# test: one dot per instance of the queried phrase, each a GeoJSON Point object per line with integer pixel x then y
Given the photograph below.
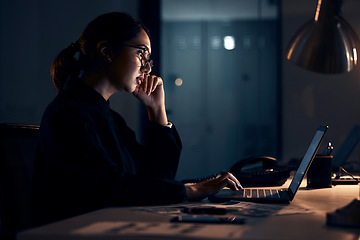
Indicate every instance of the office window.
{"type": "Point", "coordinates": [220, 64]}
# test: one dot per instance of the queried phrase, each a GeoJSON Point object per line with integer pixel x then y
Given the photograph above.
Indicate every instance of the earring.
{"type": "Point", "coordinates": [109, 60]}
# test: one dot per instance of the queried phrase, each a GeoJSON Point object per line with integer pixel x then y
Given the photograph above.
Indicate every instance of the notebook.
{"type": "Point", "coordinates": [273, 195]}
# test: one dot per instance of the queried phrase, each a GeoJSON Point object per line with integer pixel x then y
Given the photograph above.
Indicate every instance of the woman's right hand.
{"type": "Point", "coordinates": [151, 94]}
{"type": "Point", "coordinates": [205, 188]}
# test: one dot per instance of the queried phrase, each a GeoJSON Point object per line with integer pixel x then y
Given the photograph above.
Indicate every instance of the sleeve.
{"type": "Point", "coordinates": [165, 146]}
{"type": "Point", "coordinates": [160, 156]}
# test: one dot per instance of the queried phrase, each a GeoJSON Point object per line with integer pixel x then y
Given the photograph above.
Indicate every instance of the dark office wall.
{"type": "Point", "coordinates": [32, 34]}
{"type": "Point", "coordinates": [309, 98]}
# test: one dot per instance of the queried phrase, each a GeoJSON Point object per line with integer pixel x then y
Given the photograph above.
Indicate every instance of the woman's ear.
{"type": "Point", "coordinates": [105, 51]}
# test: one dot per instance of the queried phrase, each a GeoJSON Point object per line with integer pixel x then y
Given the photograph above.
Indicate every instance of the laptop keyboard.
{"type": "Point", "coordinates": [259, 193]}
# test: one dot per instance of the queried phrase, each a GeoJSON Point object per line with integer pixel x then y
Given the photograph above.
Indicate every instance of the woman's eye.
{"type": "Point", "coordinates": [141, 53]}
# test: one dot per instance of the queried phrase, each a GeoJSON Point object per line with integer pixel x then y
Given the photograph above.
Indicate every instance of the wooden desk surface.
{"type": "Point", "coordinates": [311, 225]}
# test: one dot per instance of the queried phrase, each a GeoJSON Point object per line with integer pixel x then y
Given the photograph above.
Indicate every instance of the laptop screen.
{"type": "Point", "coordinates": [308, 157]}
{"type": "Point", "coordinates": [346, 148]}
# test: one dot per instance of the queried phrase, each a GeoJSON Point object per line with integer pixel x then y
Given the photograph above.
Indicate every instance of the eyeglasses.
{"type": "Point", "coordinates": [145, 58]}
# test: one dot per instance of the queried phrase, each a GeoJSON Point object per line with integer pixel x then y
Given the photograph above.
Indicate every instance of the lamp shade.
{"type": "Point", "coordinates": [326, 44]}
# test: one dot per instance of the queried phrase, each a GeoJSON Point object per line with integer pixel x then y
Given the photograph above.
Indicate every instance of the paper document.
{"type": "Point", "coordinates": [234, 208]}
{"type": "Point", "coordinates": [156, 230]}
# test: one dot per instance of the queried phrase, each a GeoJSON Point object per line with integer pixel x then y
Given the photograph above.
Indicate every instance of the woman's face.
{"type": "Point", "coordinates": [126, 71]}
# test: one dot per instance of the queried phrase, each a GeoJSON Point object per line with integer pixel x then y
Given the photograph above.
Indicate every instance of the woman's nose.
{"type": "Point", "coordinates": [147, 67]}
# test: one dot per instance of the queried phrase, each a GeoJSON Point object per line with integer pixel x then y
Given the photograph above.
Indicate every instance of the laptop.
{"type": "Point", "coordinates": [346, 148]}
{"type": "Point", "coordinates": [342, 155]}
{"type": "Point", "coordinates": [276, 195]}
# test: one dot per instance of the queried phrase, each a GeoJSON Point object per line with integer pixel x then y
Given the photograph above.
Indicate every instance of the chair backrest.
{"type": "Point", "coordinates": [17, 153]}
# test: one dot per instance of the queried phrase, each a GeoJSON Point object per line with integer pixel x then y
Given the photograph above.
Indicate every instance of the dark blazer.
{"type": "Point", "coordinates": [88, 159]}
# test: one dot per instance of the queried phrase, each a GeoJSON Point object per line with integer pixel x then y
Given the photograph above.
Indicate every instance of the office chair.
{"type": "Point", "coordinates": [17, 153]}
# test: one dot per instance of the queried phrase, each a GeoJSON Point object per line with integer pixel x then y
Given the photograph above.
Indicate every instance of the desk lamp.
{"type": "Point", "coordinates": [327, 43]}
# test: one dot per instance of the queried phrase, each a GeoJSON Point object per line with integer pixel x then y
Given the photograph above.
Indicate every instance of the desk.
{"type": "Point", "coordinates": [310, 225]}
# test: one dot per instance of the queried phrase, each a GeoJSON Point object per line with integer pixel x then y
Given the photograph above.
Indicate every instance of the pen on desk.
{"type": "Point", "coordinates": [328, 150]}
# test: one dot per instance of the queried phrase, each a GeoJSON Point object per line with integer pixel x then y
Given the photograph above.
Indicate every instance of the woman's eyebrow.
{"type": "Point", "coordinates": [146, 47]}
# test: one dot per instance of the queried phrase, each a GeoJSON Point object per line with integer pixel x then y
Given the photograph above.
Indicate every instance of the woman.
{"type": "Point", "coordinates": [87, 156]}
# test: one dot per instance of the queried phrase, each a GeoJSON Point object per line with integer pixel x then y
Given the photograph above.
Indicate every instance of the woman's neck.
{"type": "Point", "coordinates": [100, 83]}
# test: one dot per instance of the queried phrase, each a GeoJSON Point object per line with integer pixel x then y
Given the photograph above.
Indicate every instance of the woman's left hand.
{"type": "Point", "coordinates": [151, 94]}
{"type": "Point", "coordinates": [201, 190]}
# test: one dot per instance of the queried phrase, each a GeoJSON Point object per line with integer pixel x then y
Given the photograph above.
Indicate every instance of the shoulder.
{"type": "Point", "coordinates": [118, 118]}
{"type": "Point", "coordinates": [63, 109]}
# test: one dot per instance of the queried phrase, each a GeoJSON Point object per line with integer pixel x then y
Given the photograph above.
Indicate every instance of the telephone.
{"type": "Point", "coordinates": [250, 174]}
{"type": "Point", "coordinates": [269, 173]}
